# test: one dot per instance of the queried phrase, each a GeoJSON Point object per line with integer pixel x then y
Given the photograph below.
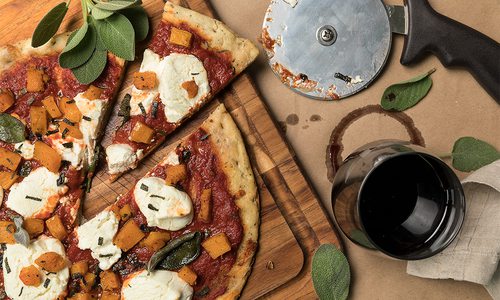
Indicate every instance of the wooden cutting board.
{"type": "Point", "coordinates": [293, 224]}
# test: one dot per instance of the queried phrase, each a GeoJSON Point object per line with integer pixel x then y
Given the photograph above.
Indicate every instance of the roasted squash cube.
{"type": "Point", "coordinates": [7, 179]}
{"type": "Point", "coordinates": [56, 227]}
{"type": "Point", "coordinates": [30, 276]}
{"type": "Point", "coordinates": [9, 159]}
{"type": "Point", "coordinates": [93, 92]}
{"type": "Point", "coordinates": [205, 214]}
{"type": "Point", "coordinates": [156, 240]}
{"type": "Point", "coordinates": [70, 109]}
{"type": "Point", "coordinates": [191, 88]}
{"type": "Point", "coordinates": [180, 37]}
{"type": "Point", "coordinates": [6, 99]}
{"type": "Point", "coordinates": [110, 281]}
{"type": "Point", "coordinates": [81, 296]}
{"type": "Point", "coordinates": [69, 130]}
{"type": "Point", "coordinates": [39, 120]}
{"type": "Point", "coordinates": [142, 133]}
{"type": "Point", "coordinates": [51, 262]}
{"type": "Point", "coordinates": [125, 212]}
{"type": "Point", "coordinates": [128, 236]}
{"type": "Point", "coordinates": [175, 173]}
{"type": "Point", "coordinates": [7, 229]}
{"type": "Point", "coordinates": [51, 106]}
{"type": "Point", "coordinates": [145, 80]}
{"type": "Point", "coordinates": [217, 245]}
{"type": "Point", "coordinates": [108, 295]}
{"type": "Point", "coordinates": [80, 267]}
{"type": "Point", "coordinates": [34, 226]}
{"type": "Point", "coordinates": [88, 282]}
{"type": "Point", "coordinates": [188, 275]}
{"type": "Point", "coordinates": [35, 80]}
{"type": "Point", "coordinates": [47, 156]}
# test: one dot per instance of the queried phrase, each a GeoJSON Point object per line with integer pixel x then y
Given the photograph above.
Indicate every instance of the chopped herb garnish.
{"type": "Point", "coordinates": [30, 100]}
{"type": "Point", "coordinates": [61, 179]}
{"type": "Point", "coordinates": [150, 206]}
{"type": "Point", "coordinates": [7, 267]}
{"type": "Point", "coordinates": [203, 292]}
{"type": "Point", "coordinates": [52, 132]}
{"type": "Point", "coordinates": [34, 198]}
{"type": "Point", "coordinates": [68, 145]}
{"type": "Point", "coordinates": [144, 187]}
{"type": "Point", "coordinates": [60, 94]}
{"type": "Point", "coordinates": [25, 169]}
{"type": "Point", "coordinates": [143, 110]}
{"type": "Point", "coordinates": [68, 122]}
{"type": "Point", "coordinates": [193, 74]}
{"type": "Point", "coordinates": [87, 118]}
{"type": "Point", "coordinates": [154, 110]}
{"type": "Point", "coordinates": [65, 131]}
{"type": "Point", "coordinates": [186, 154]}
{"type": "Point", "coordinates": [46, 283]}
{"type": "Point", "coordinates": [21, 292]}
{"type": "Point", "coordinates": [100, 241]}
{"type": "Point", "coordinates": [70, 101]}
{"type": "Point", "coordinates": [125, 107]}
{"type": "Point", "coordinates": [48, 273]}
{"type": "Point", "coordinates": [105, 255]}
{"type": "Point", "coordinates": [3, 246]}
{"type": "Point", "coordinates": [39, 136]}
{"type": "Point", "coordinates": [157, 196]}
{"type": "Point", "coordinates": [205, 136]}
{"type": "Point", "coordinates": [144, 228]}
{"type": "Point", "coordinates": [22, 91]}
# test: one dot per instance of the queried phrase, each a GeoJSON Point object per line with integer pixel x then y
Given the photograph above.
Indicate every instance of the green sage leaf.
{"type": "Point", "coordinates": [76, 37]}
{"type": "Point", "coordinates": [330, 273]}
{"type": "Point", "coordinates": [100, 14]}
{"type": "Point", "coordinates": [21, 235]}
{"type": "Point", "coordinates": [82, 52]}
{"type": "Point", "coordinates": [117, 34]}
{"type": "Point", "coordinates": [139, 19]}
{"type": "Point", "coordinates": [91, 70]}
{"type": "Point", "coordinates": [11, 129]}
{"type": "Point", "coordinates": [161, 254]}
{"type": "Point", "coordinates": [470, 154]}
{"type": "Point", "coordinates": [49, 25]}
{"type": "Point", "coordinates": [182, 255]}
{"type": "Point", "coordinates": [406, 94]}
{"type": "Point", "coordinates": [114, 5]}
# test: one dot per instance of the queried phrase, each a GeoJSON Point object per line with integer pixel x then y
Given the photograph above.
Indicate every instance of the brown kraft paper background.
{"type": "Point", "coordinates": [456, 106]}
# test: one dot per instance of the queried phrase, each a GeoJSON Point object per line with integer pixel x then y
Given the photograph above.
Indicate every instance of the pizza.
{"type": "Point", "coordinates": [49, 129]}
{"type": "Point", "coordinates": [187, 229]}
{"type": "Point", "coordinates": [189, 59]}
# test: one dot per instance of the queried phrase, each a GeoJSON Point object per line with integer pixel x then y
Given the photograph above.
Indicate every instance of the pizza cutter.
{"type": "Point", "coordinates": [331, 49]}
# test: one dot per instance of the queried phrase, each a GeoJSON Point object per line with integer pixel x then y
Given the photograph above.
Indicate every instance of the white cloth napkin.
{"type": "Point", "coordinates": [475, 253]}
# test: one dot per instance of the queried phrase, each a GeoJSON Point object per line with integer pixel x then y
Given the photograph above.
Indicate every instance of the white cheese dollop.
{"type": "Point", "coordinates": [158, 285]}
{"type": "Point", "coordinates": [37, 195]}
{"type": "Point", "coordinates": [120, 158]}
{"type": "Point", "coordinates": [17, 257]}
{"type": "Point", "coordinates": [163, 206]}
{"type": "Point", "coordinates": [172, 159]}
{"type": "Point", "coordinates": [104, 225]}
{"type": "Point", "coordinates": [73, 154]}
{"type": "Point", "coordinates": [171, 72]}
{"type": "Point", "coordinates": [27, 149]}
{"type": "Point", "coordinates": [92, 109]}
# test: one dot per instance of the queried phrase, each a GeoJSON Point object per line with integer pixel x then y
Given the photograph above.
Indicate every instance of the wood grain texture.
{"type": "Point", "coordinates": [293, 223]}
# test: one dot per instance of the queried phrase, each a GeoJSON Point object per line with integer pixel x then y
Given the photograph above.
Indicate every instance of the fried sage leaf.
{"type": "Point", "coordinates": [11, 129]}
{"type": "Point", "coordinates": [470, 154]}
{"type": "Point", "coordinates": [406, 94]}
{"type": "Point", "coordinates": [177, 253]}
{"type": "Point", "coordinates": [21, 235]}
{"type": "Point", "coordinates": [330, 273]}
{"type": "Point", "coordinates": [49, 25]}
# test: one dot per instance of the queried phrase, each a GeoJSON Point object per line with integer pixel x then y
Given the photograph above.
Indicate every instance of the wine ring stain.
{"type": "Point", "coordinates": [335, 146]}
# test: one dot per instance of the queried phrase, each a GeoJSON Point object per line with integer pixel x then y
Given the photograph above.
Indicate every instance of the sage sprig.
{"type": "Point", "coordinates": [112, 25]}
{"type": "Point", "coordinates": [330, 273]}
{"type": "Point", "coordinates": [470, 154]}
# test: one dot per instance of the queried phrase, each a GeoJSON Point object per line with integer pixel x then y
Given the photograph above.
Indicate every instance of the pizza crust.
{"type": "Point", "coordinates": [233, 158]}
{"type": "Point", "coordinates": [218, 35]}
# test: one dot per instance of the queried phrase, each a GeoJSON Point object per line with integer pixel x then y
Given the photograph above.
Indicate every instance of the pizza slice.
{"type": "Point", "coordinates": [187, 229]}
{"type": "Point", "coordinates": [49, 127]}
{"type": "Point", "coordinates": [190, 58]}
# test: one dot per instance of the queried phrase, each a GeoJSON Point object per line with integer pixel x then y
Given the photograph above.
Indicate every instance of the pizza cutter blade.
{"type": "Point", "coordinates": [331, 49]}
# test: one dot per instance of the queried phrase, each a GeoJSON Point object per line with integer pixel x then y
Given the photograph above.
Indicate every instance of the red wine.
{"type": "Point", "coordinates": [404, 202]}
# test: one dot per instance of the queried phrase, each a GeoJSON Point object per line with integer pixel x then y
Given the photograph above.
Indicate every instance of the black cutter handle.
{"type": "Point", "coordinates": [453, 43]}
